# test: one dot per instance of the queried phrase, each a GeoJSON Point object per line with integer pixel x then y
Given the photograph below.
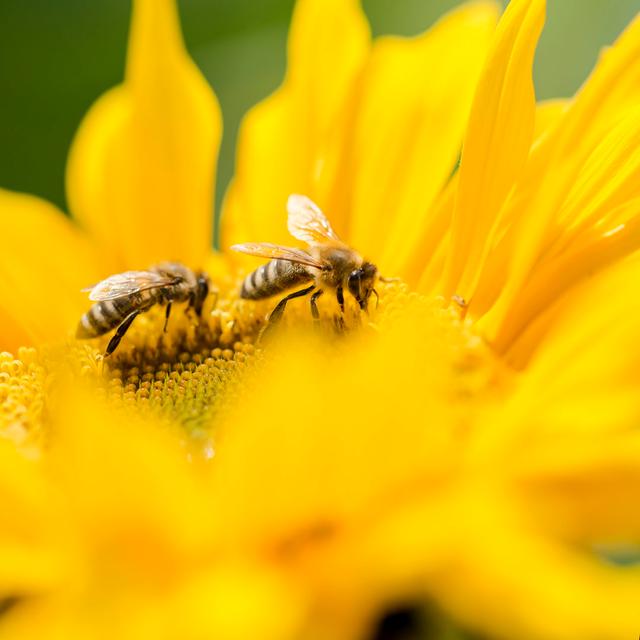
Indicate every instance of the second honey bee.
{"type": "Point", "coordinates": [328, 262]}
{"type": "Point", "coordinates": [122, 297]}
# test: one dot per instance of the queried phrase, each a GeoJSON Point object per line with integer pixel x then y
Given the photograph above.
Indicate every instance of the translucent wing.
{"type": "Point", "coordinates": [124, 284]}
{"type": "Point", "coordinates": [307, 223]}
{"type": "Point", "coordinates": [276, 252]}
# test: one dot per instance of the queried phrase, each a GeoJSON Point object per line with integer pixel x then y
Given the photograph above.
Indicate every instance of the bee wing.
{"type": "Point", "coordinates": [124, 284]}
{"type": "Point", "coordinates": [307, 223]}
{"type": "Point", "coordinates": [276, 252]}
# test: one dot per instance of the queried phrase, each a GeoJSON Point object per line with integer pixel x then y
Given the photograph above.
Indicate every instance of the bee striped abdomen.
{"type": "Point", "coordinates": [273, 277]}
{"type": "Point", "coordinates": [108, 314]}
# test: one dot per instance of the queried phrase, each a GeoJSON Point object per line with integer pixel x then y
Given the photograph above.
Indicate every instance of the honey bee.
{"type": "Point", "coordinates": [328, 262]}
{"type": "Point", "coordinates": [121, 297]}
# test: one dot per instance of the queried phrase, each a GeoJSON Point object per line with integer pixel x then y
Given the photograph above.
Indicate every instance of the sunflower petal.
{"type": "Point", "coordinates": [594, 226]}
{"type": "Point", "coordinates": [497, 142]}
{"type": "Point", "coordinates": [153, 507]}
{"type": "Point", "coordinates": [598, 107]}
{"type": "Point", "coordinates": [597, 225]}
{"type": "Point", "coordinates": [415, 98]}
{"type": "Point", "coordinates": [142, 167]}
{"type": "Point", "coordinates": [587, 354]}
{"type": "Point", "coordinates": [28, 559]}
{"type": "Point", "coordinates": [583, 489]}
{"type": "Point", "coordinates": [44, 263]}
{"type": "Point", "coordinates": [283, 140]}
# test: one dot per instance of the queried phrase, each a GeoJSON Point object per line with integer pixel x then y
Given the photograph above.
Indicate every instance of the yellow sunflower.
{"type": "Point", "coordinates": [463, 461]}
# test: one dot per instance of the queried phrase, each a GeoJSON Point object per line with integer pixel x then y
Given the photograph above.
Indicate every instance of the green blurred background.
{"type": "Point", "coordinates": [57, 56]}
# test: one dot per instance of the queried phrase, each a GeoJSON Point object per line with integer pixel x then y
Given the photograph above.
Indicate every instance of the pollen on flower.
{"type": "Point", "coordinates": [196, 369]}
{"type": "Point", "coordinates": [185, 374]}
{"type": "Point", "coordinates": [22, 387]}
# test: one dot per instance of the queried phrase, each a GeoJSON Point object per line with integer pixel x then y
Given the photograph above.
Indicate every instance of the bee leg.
{"type": "Point", "coordinates": [119, 334]}
{"type": "Point", "coordinates": [375, 293]}
{"type": "Point", "coordinates": [276, 314]}
{"type": "Point", "coordinates": [166, 317]}
{"type": "Point", "coordinates": [314, 305]}
{"type": "Point", "coordinates": [340, 297]}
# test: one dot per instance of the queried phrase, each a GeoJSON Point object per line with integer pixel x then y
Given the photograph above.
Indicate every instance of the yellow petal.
{"type": "Point", "coordinates": [142, 168]}
{"type": "Point", "coordinates": [497, 142]}
{"type": "Point", "coordinates": [581, 239]}
{"type": "Point", "coordinates": [236, 602]}
{"type": "Point", "coordinates": [282, 141]}
{"type": "Point", "coordinates": [268, 169]}
{"type": "Point", "coordinates": [414, 102]}
{"type": "Point", "coordinates": [555, 165]}
{"type": "Point", "coordinates": [555, 277]}
{"type": "Point", "coordinates": [588, 353]}
{"type": "Point", "coordinates": [91, 195]}
{"type": "Point", "coordinates": [434, 243]}
{"type": "Point", "coordinates": [608, 179]}
{"type": "Point", "coordinates": [135, 498]}
{"type": "Point", "coordinates": [44, 262]}
{"type": "Point", "coordinates": [583, 488]}
{"type": "Point", "coordinates": [27, 544]}
{"type": "Point", "coordinates": [555, 593]}
{"type": "Point", "coordinates": [482, 554]}
{"type": "Point", "coordinates": [614, 86]}
{"type": "Point", "coordinates": [548, 114]}
{"type": "Point", "coordinates": [343, 468]}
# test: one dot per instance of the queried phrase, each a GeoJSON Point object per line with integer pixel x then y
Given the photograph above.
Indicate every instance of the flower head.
{"type": "Point", "coordinates": [468, 443]}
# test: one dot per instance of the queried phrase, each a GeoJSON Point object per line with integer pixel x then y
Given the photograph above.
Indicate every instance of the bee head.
{"type": "Point", "coordinates": [202, 291]}
{"type": "Point", "coordinates": [361, 282]}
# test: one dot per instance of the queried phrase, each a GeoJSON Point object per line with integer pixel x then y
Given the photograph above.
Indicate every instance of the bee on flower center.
{"type": "Point", "coordinates": [328, 262]}
{"type": "Point", "coordinates": [122, 297]}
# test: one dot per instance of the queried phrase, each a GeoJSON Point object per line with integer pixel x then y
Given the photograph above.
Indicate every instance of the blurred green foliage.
{"type": "Point", "coordinates": [57, 57]}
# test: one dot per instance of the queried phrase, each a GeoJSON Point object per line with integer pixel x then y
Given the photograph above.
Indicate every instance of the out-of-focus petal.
{"type": "Point", "coordinates": [28, 559]}
{"type": "Point", "coordinates": [582, 489]}
{"type": "Point", "coordinates": [283, 140]}
{"type": "Point", "coordinates": [568, 585]}
{"type": "Point", "coordinates": [44, 262]}
{"type": "Point", "coordinates": [152, 515]}
{"type": "Point", "coordinates": [142, 168]}
{"type": "Point", "coordinates": [341, 467]}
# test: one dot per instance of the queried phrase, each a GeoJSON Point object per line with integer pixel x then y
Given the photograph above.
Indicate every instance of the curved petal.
{"type": "Point", "coordinates": [283, 141]}
{"type": "Point", "coordinates": [497, 142]}
{"type": "Point", "coordinates": [142, 168]}
{"type": "Point", "coordinates": [599, 223]}
{"type": "Point", "coordinates": [605, 98]}
{"type": "Point", "coordinates": [413, 108]}
{"type": "Point", "coordinates": [44, 263]}
{"type": "Point", "coordinates": [589, 352]}
{"type": "Point", "coordinates": [548, 114]}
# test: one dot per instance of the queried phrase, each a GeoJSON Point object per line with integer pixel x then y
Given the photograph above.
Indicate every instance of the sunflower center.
{"type": "Point", "coordinates": [196, 368]}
